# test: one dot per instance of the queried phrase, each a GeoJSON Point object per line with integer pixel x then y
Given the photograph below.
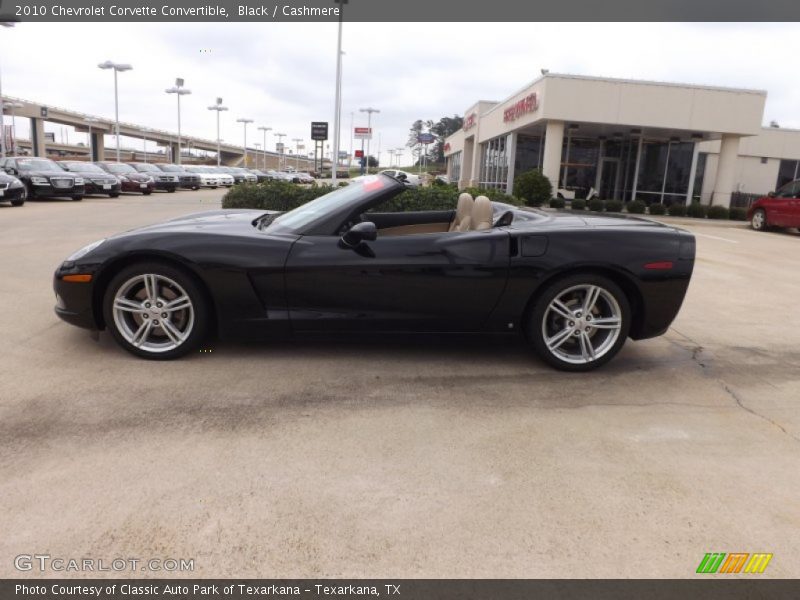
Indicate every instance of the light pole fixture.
{"type": "Point", "coordinates": [244, 122]}
{"type": "Point", "coordinates": [264, 147]}
{"type": "Point", "coordinates": [280, 137]}
{"type": "Point", "coordinates": [337, 109]}
{"type": "Point", "coordinates": [219, 108]}
{"type": "Point", "coordinates": [369, 111]}
{"type": "Point", "coordinates": [144, 143]}
{"type": "Point", "coordinates": [2, 127]}
{"type": "Point", "coordinates": [258, 147]}
{"type": "Point", "coordinates": [118, 67]}
{"type": "Point", "coordinates": [179, 91]}
{"type": "Point", "coordinates": [297, 152]}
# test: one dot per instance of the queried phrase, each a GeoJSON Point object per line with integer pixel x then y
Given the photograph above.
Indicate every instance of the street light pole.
{"type": "Point", "coordinates": [219, 108]}
{"type": "Point", "coordinates": [12, 105]}
{"type": "Point", "coordinates": [245, 121]}
{"type": "Point", "coordinates": [280, 137]}
{"type": "Point", "coordinates": [89, 121]}
{"type": "Point", "coordinates": [369, 111]}
{"type": "Point", "coordinates": [264, 147]}
{"type": "Point", "coordinates": [179, 91]}
{"type": "Point", "coordinates": [118, 67]}
{"type": "Point", "coordinates": [297, 152]}
{"type": "Point", "coordinates": [337, 109]}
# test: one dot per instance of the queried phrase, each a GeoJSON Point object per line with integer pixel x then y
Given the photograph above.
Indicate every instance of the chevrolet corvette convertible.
{"type": "Point", "coordinates": [576, 286]}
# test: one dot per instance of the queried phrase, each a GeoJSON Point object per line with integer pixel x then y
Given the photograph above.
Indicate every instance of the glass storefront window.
{"type": "Point", "coordinates": [664, 170]}
{"type": "Point", "coordinates": [494, 163]}
{"type": "Point", "coordinates": [787, 172]}
{"type": "Point", "coordinates": [455, 166]}
{"type": "Point", "coordinates": [529, 153]}
{"type": "Point", "coordinates": [579, 158]}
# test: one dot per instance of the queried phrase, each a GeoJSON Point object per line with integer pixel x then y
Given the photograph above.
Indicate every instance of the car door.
{"type": "Point", "coordinates": [420, 282]}
{"type": "Point", "coordinates": [779, 207]}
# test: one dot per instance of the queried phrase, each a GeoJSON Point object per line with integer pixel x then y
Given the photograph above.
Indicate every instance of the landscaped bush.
{"type": "Point", "coordinates": [596, 205]}
{"type": "Point", "coordinates": [613, 205]}
{"type": "Point", "coordinates": [636, 207]}
{"type": "Point", "coordinates": [718, 212]}
{"type": "Point", "coordinates": [677, 210]}
{"type": "Point", "coordinates": [557, 203]}
{"type": "Point", "coordinates": [738, 214]}
{"type": "Point", "coordinates": [656, 208]}
{"type": "Point", "coordinates": [697, 210]}
{"type": "Point", "coordinates": [284, 196]}
{"type": "Point", "coordinates": [533, 188]}
{"type": "Point", "coordinates": [578, 204]}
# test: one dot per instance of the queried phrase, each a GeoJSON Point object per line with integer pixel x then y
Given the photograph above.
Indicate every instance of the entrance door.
{"type": "Point", "coordinates": [609, 179]}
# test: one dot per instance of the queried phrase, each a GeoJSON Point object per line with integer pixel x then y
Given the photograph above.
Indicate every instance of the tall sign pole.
{"type": "Point", "coordinates": [337, 111]}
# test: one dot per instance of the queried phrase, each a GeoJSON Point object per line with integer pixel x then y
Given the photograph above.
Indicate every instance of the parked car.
{"type": "Point", "coordinates": [166, 182]}
{"type": "Point", "coordinates": [777, 209]}
{"type": "Point", "coordinates": [96, 180]}
{"type": "Point", "coordinates": [576, 287]}
{"type": "Point", "coordinates": [228, 171]}
{"type": "Point", "coordinates": [301, 177]}
{"type": "Point", "coordinates": [261, 176]}
{"type": "Point", "coordinates": [130, 179]}
{"type": "Point", "coordinates": [43, 178]}
{"type": "Point", "coordinates": [284, 176]}
{"type": "Point", "coordinates": [186, 179]}
{"type": "Point", "coordinates": [410, 178]}
{"type": "Point", "coordinates": [208, 178]}
{"type": "Point", "coordinates": [242, 175]}
{"type": "Point", "coordinates": [12, 190]}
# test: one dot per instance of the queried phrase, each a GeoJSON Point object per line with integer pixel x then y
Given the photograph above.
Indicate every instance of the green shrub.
{"type": "Point", "coordinates": [613, 205]}
{"type": "Point", "coordinates": [677, 210]}
{"type": "Point", "coordinates": [533, 188]}
{"type": "Point", "coordinates": [656, 208]}
{"type": "Point", "coordinates": [596, 205]}
{"type": "Point", "coordinates": [494, 194]}
{"type": "Point", "coordinates": [636, 207]}
{"type": "Point", "coordinates": [557, 203]}
{"type": "Point", "coordinates": [738, 214]}
{"type": "Point", "coordinates": [578, 204]}
{"type": "Point", "coordinates": [697, 210]}
{"type": "Point", "coordinates": [718, 212]}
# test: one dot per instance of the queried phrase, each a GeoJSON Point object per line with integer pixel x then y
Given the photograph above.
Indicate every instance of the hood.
{"type": "Point", "coordinates": [226, 221]}
{"type": "Point", "coordinates": [44, 173]}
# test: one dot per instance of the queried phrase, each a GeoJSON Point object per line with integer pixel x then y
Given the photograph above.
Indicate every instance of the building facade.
{"type": "Point", "coordinates": [625, 139]}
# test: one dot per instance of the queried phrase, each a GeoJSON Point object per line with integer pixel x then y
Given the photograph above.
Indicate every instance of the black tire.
{"type": "Point", "coordinates": [77, 198]}
{"type": "Point", "coordinates": [200, 306]}
{"type": "Point", "coordinates": [18, 202]}
{"type": "Point", "coordinates": [147, 192]}
{"type": "Point", "coordinates": [114, 195]}
{"type": "Point", "coordinates": [535, 326]}
{"type": "Point", "coordinates": [171, 190]}
{"type": "Point", "coordinates": [759, 221]}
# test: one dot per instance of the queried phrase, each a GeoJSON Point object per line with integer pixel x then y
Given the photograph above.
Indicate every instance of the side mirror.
{"type": "Point", "coordinates": [360, 232]}
{"type": "Point", "coordinates": [771, 194]}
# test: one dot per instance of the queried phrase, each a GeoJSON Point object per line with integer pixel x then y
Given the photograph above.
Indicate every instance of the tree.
{"type": "Point", "coordinates": [440, 129]}
{"type": "Point", "coordinates": [372, 161]}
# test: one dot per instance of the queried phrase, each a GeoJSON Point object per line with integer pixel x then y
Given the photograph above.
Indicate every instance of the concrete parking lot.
{"type": "Point", "coordinates": [417, 459]}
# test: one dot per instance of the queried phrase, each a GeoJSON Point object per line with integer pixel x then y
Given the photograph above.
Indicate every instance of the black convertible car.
{"type": "Point", "coordinates": [576, 286]}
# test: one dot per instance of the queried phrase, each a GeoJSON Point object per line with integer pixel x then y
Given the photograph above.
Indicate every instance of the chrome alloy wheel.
{"type": "Point", "coordinates": [759, 220]}
{"type": "Point", "coordinates": [581, 324]}
{"type": "Point", "coordinates": [153, 312]}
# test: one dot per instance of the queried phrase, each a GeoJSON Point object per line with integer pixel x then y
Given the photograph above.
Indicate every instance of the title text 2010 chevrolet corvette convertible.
{"type": "Point", "coordinates": [576, 286]}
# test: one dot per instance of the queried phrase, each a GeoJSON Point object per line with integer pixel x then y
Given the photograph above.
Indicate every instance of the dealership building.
{"type": "Point", "coordinates": [626, 139]}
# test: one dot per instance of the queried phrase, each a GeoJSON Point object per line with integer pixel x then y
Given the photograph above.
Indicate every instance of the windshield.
{"type": "Point", "coordinates": [171, 168]}
{"type": "Point", "coordinates": [82, 166]}
{"type": "Point", "coordinates": [146, 168]}
{"type": "Point", "coordinates": [38, 164]}
{"type": "Point", "coordinates": [120, 168]}
{"type": "Point", "coordinates": [301, 216]}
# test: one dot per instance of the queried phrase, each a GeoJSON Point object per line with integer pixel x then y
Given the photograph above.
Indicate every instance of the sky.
{"type": "Point", "coordinates": [282, 75]}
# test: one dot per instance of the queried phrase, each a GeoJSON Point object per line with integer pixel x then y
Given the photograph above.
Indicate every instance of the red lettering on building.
{"type": "Point", "coordinates": [528, 104]}
{"type": "Point", "coordinates": [470, 121]}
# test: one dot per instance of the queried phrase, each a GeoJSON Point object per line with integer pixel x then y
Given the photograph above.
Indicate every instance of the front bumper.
{"type": "Point", "coordinates": [166, 185]}
{"type": "Point", "coordinates": [137, 186]}
{"type": "Point", "coordinates": [48, 191]}
{"type": "Point", "coordinates": [190, 182]}
{"type": "Point", "coordinates": [8, 194]}
{"type": "Point", "coordinates": [74, 302]}
{"type": "Point", "coordinates": [100, 188]}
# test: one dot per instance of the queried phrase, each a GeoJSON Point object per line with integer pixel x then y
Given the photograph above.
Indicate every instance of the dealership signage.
{"type": "Point", "coordinates": [527, 105]}
{"type": "Point", "coordinates": [359, 153]}
{"type": "Point", "coordinates": [470, 121]}
{"type": "Point", "coordinates": [319, 130]}
{"type": "Point", "coordinates": [279, 147]}
{"type": "Point", "coordinates": [362, 133]}
{"type": "Point", "coordinates": [425, 138]}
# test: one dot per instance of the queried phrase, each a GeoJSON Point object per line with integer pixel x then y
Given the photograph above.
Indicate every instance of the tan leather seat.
{"type": "Point", "coordinates": [463, 213]}
{"type": "Point", "coordinates": [481, 214]}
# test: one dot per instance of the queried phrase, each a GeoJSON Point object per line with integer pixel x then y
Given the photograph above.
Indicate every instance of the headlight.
{"type": "Point", "coordinates": [79, 181]}
{"type": "Point", "coordinates": [16, 183]}
{"type": "Point", "coordinates": [150, 180]}
{"type": "Point", "coordinates": [122, 178]}
{"type": "Point", "coordinates": [39, 180]}
{"type": "Point", "coordinates": [85, 250]}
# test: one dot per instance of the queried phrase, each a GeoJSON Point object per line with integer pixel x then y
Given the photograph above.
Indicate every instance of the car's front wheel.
{"type": "Point", "coordinates": [579, 322]}
{"type": "Point", "coordinates": [759, 220]}
{"type": "Point", "coordinates": [77, 197]}
{"type": "Point", "coordinates": [156, 311]}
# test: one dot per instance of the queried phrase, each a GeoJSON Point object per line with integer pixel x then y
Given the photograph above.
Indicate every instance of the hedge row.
{"type": "Point", "coordinates": [637, 207]}
{"type": "Point", "coordinates": [283, 196]}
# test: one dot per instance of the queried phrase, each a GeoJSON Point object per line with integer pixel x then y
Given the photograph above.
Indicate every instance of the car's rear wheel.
{"type": "Point", "coordinates": [759, 220]}
{"type": "Point", "coordinates": [579, 322]}
{"type": "Point", "coordinates": [156, 311]}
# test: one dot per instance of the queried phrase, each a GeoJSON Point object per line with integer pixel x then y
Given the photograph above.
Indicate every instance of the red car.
{"type": "Point", "coordinates": [777, 209]}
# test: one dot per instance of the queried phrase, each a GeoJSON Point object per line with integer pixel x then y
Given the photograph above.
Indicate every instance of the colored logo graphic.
{"type": "Point", "coordinates": [735, 562]}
